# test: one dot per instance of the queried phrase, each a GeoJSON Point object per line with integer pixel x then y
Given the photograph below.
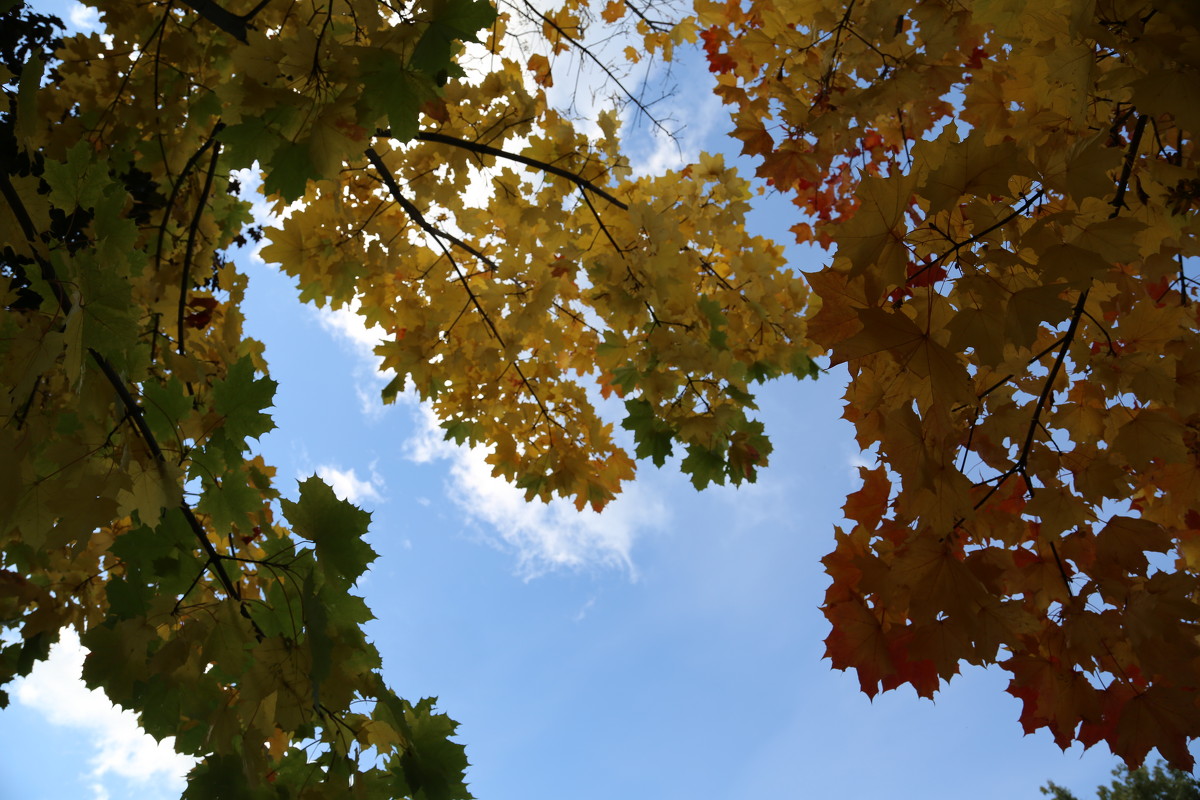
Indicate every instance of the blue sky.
{"type": "Point", "coordinates": [670, 648]}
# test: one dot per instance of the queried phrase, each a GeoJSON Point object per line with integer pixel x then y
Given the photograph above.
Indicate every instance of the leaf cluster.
{"type": "Point", "coordinates": [522, 273]}
{"type": "Point", "coordinates": [1004, 187]}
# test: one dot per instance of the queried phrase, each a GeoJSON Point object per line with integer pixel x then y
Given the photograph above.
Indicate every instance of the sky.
{"type": "Point", "coordinates": [669, 648]}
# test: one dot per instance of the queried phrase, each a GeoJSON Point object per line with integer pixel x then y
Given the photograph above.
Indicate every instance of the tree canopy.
{"type": "Point", "coordinates": [1143, 783]}
{"type": "Point", "coordinates": [1007, 193]}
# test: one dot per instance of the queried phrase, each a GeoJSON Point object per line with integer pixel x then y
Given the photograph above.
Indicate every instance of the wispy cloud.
{"type": "Point", "coordinates": [653, 151]}
{"type": "Point", "coordinates": [55, 689]}
{"type": "Point", "coordinates": [543, 536]}
{"type": "Point", "coordinates": [348, 486]}
{"type": "Point", "coordinates": [83, 18]}
{"type": "Point", "coordinates": [349, 327]}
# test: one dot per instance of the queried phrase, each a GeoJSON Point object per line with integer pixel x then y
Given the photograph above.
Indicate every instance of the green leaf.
{"type": "Point", "coordinates": [316, 623]}
{"type": "Point", "coordinates": [231, 501]}
{"type": "Point", "coordinates": [110, 321]}
{"type": "Point", "coordinates": [716, 320]}
{"type": "Point", "coordinates": [249, 141]}
{"type": "Point", "coordinates": [704, 466]}
{"type": "Point", "coordinates": [654, 438]}
{"type": "Point", "coordinates": [431, 766]}
{"type": "Point", "coordinates": [802, 366]}
{"type": "Point", "coordinates": [453, 20]}
{"type": "Point", "coordinates": [127, 599]}
{"type": "Point", "coordinates": [626, 377]}
{"type": "Point", "coordinates": [27, 99]}
{"type": "Point", "coordinates": [241, 399]}
{"type": "Point", "coordinates": [151, 554]}
{"type": "Point", "coordinates": [335, 527]}
{"type": "Point", "coordinates": [290, 168]}
{"type": "Point", "coordinates": [78, 182]}
{"type": "Point", "coordinates": [218, 776]}
{"type": "Point", "coordinates": [761, 372]}
{"type": "Point", "coordinates": [392, 90]}
{"type": "Point", "coordinates": [458, 430]}
{"type": "Point", "coordinates": [117, 656]}
{"type": "Point", "coordinates": [164, 405]}
{"type": "Point", "coordinates": [33, 649]}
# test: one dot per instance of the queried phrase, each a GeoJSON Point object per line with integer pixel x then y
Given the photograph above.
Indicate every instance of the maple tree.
{"type": "Point", "coordinates": [215, 603]}
{"type": "Point", "coordinates": [1008, 191]}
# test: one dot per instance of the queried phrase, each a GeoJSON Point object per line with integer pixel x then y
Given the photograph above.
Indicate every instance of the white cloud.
{"type": "Point", "coordinates": [348, 486]}
{"type": "Point", "coordinates": [349, 327]}
{"type": "Point", "coordinates": [581, 613]}
{"type": "Point", "coordinates": [56, 690]}
{"type": "Point", "coordinates": [83, 18]}
{"type": "Point", "coordinates": [543, 536]}
{"type": "Point", "coordinates": [662, 152]}
{"type": "Point", "coordinates": [861, 458]}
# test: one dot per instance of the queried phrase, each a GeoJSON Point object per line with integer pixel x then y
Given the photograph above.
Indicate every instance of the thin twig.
{"type": "Point", "coordinates": [185, 278]}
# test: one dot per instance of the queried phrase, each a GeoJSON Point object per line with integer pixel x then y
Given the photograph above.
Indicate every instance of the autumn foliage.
{"type": "Point", "coordinates": [1007, 191]}
{"type": "Point", "coordinates": [216, 603]}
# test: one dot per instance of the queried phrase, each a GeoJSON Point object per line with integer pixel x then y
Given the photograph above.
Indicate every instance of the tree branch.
{"type": "Point", "coordinates": [605, 68]}
{"type": "Point", "coordinates": [185, 277]}
{"type": "Point", "coordinates": [188, 166]}
{"type": "Point", "coordinates": [415, 214]}
{"type": "Point", "coordinates": [132, 409]}
{"type": "Point", "coordinates": [441, 237]}
{"type": "Point", "coordinates": [31, 236]}
{"type": "Point", "coordinates": [1064, 342]}
{"type": "Point", "coordinates": [956, 246]}
{"type": "Point", "coordinates": [483, 149]}
{"type": "Point", "coordinates": [218, 15]}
